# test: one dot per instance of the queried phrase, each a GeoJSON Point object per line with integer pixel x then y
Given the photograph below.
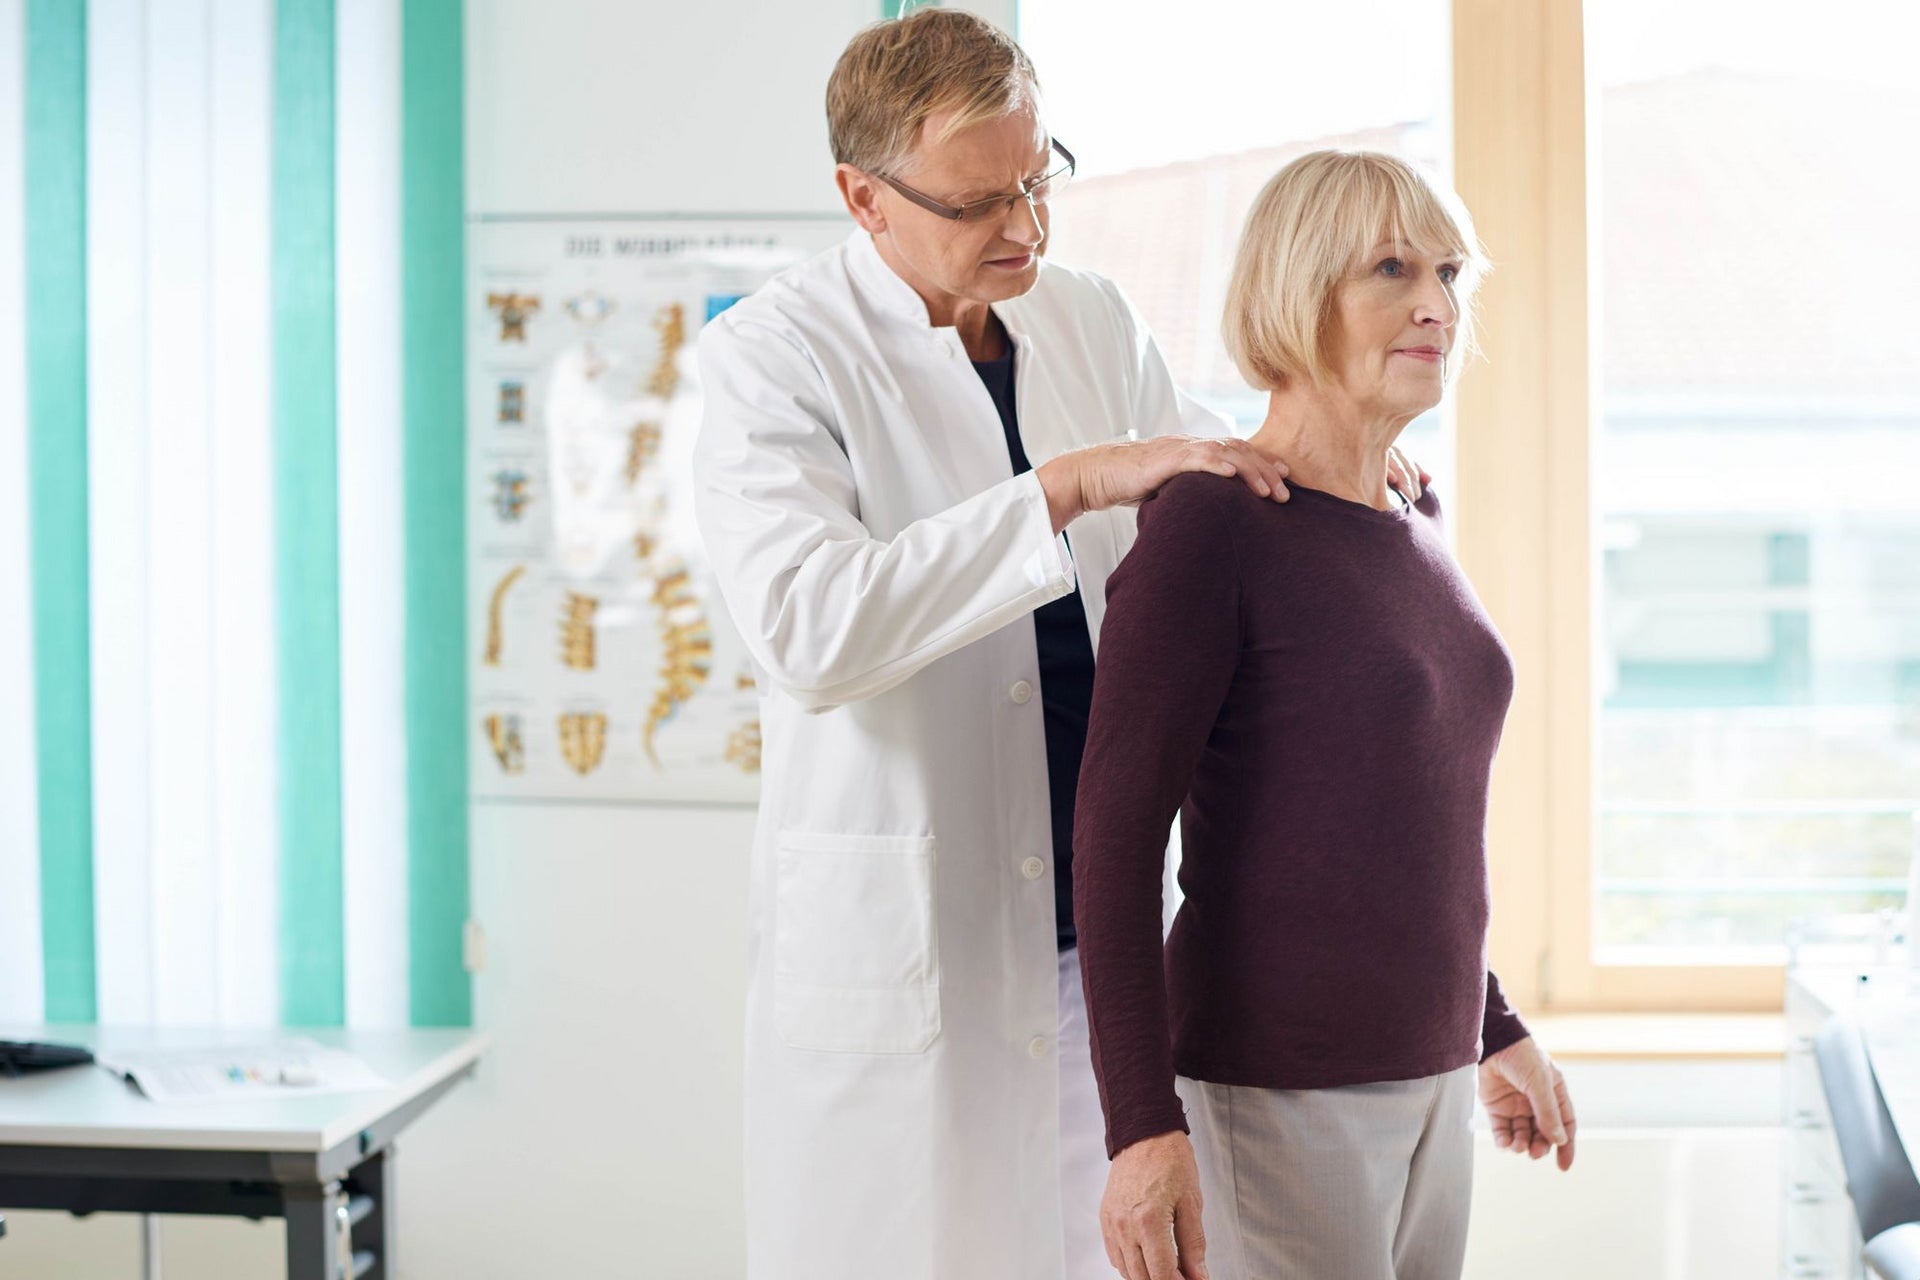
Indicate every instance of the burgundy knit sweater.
{"type": "Point", "coordinates": [1316, 689]}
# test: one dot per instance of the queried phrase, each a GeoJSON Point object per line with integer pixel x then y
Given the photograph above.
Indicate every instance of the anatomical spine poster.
{"type": "Point", "coordinates": [603, 663]}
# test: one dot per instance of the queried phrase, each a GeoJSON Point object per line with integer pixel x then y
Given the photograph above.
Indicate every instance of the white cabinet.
{"type": "Point", "coordinates": [1822, 1236]}
{"type": "Point", "coordinates": [1822, 1241]}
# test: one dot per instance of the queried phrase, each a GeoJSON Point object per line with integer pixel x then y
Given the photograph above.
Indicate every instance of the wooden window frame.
{"type": "Point", "coordinates": [1523, 133]}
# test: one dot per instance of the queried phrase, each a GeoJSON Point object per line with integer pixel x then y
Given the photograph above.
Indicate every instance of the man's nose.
{"type": "Point", "coordinates": [1023, 222]}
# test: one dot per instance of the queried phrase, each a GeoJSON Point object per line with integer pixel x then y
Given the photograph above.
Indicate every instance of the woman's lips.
{"type": "Point", "coordinates": [1428, 354]}
{"type": "Point", "coordinates": [1012, 264]}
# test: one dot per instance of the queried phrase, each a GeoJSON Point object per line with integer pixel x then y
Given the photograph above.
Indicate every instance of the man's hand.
{"type": "Point", "coordinates": [1526, 1099]}
{"type": "Point", "coordinates": [1150, 1215]}
{"type": "Point", "coordinates": [1126, 472]}
{"type": "Point", "coordinates": [1404, 474]}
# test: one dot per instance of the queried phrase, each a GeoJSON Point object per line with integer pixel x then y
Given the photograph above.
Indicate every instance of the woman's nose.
{"type": "Point", "coordinates": [1437, 308]}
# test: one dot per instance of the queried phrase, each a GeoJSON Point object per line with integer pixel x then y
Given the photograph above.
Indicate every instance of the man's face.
{"type": "Point", "coordinates": [949, 262]}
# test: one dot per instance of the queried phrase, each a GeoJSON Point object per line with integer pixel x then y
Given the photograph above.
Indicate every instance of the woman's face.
{"type": "Point", "coordinates": [1394, 323]}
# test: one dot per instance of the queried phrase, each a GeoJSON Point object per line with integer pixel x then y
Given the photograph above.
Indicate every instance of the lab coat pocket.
{"type": "Point", "coordinates": [856, 965]}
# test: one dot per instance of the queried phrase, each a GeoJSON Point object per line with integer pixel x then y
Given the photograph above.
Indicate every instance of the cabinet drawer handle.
{"type": "Point", "coordinates": [1808, 1118]}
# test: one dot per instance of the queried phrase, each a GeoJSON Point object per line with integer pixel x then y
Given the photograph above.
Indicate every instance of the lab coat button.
{"type": "Point", "coordinates": [1022, 692]}
{"type": "Point", "coordinates": [1033, 868]}
{"type": "Point", "coordinates": [1037, 1047]}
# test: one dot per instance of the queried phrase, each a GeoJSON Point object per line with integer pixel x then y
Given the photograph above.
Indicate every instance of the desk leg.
{"type": "Point", "coordinates": [313, 1231]}
{"type": "Point", "coordinates": [378, 1232]}
{"type": "Point", "coordinates": [149, 1246]}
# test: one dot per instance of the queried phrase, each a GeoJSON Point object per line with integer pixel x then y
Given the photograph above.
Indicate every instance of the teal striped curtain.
{"type": "Point", "coordinates": [232, 691]}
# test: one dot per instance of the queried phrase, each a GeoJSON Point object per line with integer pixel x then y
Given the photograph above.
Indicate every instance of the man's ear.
{"type": "Point", "coordinates": [862, 196]}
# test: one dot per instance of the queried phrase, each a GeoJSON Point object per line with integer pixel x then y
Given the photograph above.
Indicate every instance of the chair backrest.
{"type": "Point", "coordinates": [1880, 1177]}
{"type": "Point", "coordinates": [1895, 1254]}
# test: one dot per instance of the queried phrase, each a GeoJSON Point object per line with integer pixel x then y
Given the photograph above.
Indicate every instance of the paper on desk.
{"type": "Point", "coordinates": [269, 1069]}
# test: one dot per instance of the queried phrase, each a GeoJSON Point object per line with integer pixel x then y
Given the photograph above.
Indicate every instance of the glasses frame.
{"type": "Point", "coordinates": [967, 212]}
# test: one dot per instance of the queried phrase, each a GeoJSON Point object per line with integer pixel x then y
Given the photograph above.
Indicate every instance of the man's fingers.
{"type": "Point", "coordinates": [1254, 479]}
{"type": "Point", "coordinates": [1261, 474]}
{"type": "Point", "coordinates": [1276, 476]}
{"type": "Point", "coordinates": [1405, 476]}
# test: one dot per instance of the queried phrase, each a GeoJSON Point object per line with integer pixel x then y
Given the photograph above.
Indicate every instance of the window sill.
{"type": "Point", "coordinates": [1604, 1037]}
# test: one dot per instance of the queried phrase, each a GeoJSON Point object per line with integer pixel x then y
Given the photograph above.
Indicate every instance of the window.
{"type": "Point", "coordinates": [1177, 126]}
{"type": "Point", "coordinates": [1683, 465]}
{"type": "Point", "coordinates": [1757, 656]}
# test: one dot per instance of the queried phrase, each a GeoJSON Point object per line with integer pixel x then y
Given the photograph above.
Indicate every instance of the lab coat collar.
{"type": "Point", "coordinates": [897, 298]}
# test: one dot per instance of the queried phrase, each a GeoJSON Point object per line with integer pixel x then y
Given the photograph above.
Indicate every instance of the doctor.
{"type": "Point", "coordinates": [913, 479]}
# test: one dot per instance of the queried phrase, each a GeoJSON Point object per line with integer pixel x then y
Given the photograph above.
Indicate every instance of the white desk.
{"type": "Point", "coordinates": [1887, 1007]}
{"type": "Point", "coordinates": [82, 1140]}
{"type": "Point", "coordinates": [1822, 1240]}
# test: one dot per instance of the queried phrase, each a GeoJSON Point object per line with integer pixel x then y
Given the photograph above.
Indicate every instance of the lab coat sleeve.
{"type": "Point", "coordinates": [831, 612]}
{"type": "Point", "coordinates": [1159, 406]}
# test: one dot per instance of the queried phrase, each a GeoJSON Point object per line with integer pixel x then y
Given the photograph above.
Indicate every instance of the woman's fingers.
{"type": "Point", "coordinates": [1565, 1157]}
{"type": "Point", "coordinates": [1521, 1139]}
{"type": "Point", "coordinates": [1190, 1239]}
{"type": "Point", "coordinates": [1116, 1255]}
{"type": "Point", "coordinates": [1546, 1106]}
{"type": "Point", "coordinates": [1156, 1247]}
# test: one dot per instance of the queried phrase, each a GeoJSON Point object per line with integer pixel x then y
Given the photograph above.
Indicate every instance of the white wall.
{"type": "Point", "coordinates": [602, 1136]}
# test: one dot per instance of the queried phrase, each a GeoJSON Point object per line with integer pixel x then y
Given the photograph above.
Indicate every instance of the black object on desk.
{"type": "Point", "coordinates": [17, 1056]}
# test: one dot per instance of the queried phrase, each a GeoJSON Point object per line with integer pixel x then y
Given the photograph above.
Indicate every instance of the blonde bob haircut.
{"type": "Point", "coordinates": [896, 74]}
{"type": "Point", "coordinates": [1314, 226]}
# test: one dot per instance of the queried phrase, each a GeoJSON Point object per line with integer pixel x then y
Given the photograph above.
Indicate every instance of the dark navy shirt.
{"type": "Point", "coordinates": [1066, 674]}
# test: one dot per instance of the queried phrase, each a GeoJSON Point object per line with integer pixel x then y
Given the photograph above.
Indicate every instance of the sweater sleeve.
{"type": "Point", "coordinates": [1168, 650]}
{"type": "Point", "coordinates": [1500, 1026]}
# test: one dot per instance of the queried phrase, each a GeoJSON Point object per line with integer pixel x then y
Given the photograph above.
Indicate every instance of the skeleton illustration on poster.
{"type": "Point", "coordinates": [603, 664]}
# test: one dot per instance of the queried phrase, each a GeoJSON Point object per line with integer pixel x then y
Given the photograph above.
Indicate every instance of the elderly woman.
{"type": "Point", "coordinates": [1316, 688]}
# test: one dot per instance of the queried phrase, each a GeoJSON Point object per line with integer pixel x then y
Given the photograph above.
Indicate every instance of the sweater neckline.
{"type": "Point", "coordinates": [1398, 514]}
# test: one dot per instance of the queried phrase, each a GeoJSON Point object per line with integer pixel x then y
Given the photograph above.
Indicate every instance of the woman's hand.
{"type": "Point", "coordinates": [1526, 1099]}
{"type": "Point", "coordinates": [1150, 1215]}
{"type": "Point", "coordinates": [1127, 472]}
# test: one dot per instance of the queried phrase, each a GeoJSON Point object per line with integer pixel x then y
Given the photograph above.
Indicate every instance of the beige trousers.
{"type": "Point", "coordinates": [1363, 1182]}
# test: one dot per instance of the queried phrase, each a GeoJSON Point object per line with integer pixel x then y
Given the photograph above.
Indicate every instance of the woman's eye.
{"type": "Point", "coordinates": [1449, 273]}
{"type": "Point", "coordinates": [1390, 267]}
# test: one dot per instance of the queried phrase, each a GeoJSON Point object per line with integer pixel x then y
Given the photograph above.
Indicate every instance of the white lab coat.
{"type": "Point", "coordinates": [882, 563]}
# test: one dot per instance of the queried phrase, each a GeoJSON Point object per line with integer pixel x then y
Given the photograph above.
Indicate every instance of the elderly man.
{"type": "Point", "coordinates": [913, 479]}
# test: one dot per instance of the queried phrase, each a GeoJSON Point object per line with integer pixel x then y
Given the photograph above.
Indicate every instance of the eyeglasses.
{"type": "Point", "coordinates": [1039, 191]}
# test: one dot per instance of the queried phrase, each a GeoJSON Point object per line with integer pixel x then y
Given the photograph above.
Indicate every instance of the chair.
{"type": "Point", "coordinates": [1880, 1176]}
